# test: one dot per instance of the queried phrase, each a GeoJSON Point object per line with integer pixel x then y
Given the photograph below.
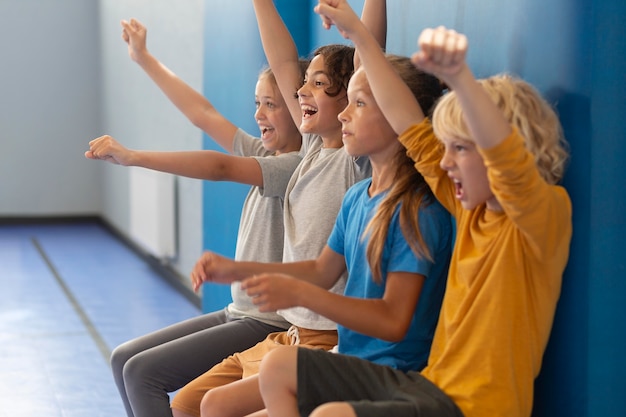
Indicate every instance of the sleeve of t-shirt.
{"type": "Point", "coordinates": [244, 144]}
{"type": "Point", "coordinates": [277, 170]}
{"type": "Point", "coordinates": [336, 240]}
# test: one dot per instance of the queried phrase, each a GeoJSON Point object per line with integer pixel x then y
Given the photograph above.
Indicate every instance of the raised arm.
{"type": "Point", "coordinates": [374, 17]}
{"type": "Point", "coordinates": [281, 53]}
{"type": "Point", "coordinates": [394, 98]}
{"type": "Point", "coordinates": [192, 104]}
{"type": "Point", "coordinates": [442, 53]}
{"type": "Point", "coordinates": [206, 165]}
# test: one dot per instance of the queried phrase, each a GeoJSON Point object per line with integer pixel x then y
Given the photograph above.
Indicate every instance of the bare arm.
{"type": "Point", "coordinates": [394, 98]}
{"type": "Point", "coordinates": [374, 18]}
{"type": "Point", "coordinates": [207, 165]}
{"type": "Point", "coordinates": [387, 318]}
{"type": "Point", "coordinates": [281, 53]}
{"type": "Point", "coordinates": [323, 271]}
{"type": "Point", "coordinates": [192, 104]}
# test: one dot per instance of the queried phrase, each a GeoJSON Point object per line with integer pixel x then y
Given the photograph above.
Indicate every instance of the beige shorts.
{"type": "Point", "coordinates": [246, 363]}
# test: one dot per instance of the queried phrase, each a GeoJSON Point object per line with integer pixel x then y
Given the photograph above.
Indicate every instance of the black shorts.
{"type": "Point", "coordinates": [371, 389]}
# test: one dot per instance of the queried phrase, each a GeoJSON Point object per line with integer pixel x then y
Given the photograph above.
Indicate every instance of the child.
{"type": "Point", "coordinates": [494, 168]}
{"type": "Point", "coordinates": [391, 235]}
{"type": "Point", "coordinates": [314, 193]}
{"type": "Point", "coordinates": [147, 368]}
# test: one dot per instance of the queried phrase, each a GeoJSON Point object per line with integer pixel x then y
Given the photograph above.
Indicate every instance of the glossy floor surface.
{"type": "Point", "coordinates": [70, 293]}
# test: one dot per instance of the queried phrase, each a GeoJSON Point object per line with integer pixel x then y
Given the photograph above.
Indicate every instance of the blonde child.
{"type": "Point", "coordinates": [149, 367]}
{"type": "Point", "coordinates": [493, 161]}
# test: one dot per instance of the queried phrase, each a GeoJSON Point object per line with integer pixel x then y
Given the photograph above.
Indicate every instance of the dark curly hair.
{"type": "Point", "coordinates": [339, 64]}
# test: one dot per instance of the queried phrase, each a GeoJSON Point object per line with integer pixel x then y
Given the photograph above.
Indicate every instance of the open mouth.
{"type": "Point", "coordinates": [458, 189]}
{"type": "Point", "coordinates": [266, 131]}
{"type": "Point", "coordinates": [308, 111]}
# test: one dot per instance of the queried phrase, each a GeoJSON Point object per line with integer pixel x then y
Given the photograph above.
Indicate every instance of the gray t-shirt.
{"type": "Point", "coordinates": [261, 232]}
{"type": "Point", "coordinates": [313, 199]}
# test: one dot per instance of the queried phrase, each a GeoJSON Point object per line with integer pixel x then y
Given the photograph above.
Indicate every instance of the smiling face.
{"type": "Point", "coordinates": [278, 132]}
{"type": "Point", "coordinates": [466, 169]}
{"type": "Point", "coordinates": [319, 110]}
{"type": "Point", "coordinates": [365, 131]}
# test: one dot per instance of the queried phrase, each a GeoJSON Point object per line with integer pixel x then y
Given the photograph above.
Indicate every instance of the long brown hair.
{"type": "Point", "coordinates": [409, 189]}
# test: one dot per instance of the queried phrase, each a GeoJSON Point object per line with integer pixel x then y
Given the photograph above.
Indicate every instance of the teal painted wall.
{"type": "Point", "coordinates": [574, 52]}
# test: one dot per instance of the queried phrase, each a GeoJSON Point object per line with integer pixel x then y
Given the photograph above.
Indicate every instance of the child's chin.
{"type": "Point", "coordinates": [306, 128]}
{"type": "Point", "coordinates": [467, 205]}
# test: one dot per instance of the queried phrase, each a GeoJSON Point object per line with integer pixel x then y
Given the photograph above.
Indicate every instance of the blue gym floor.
{"type": "Point", "coordinates": [70, 293]}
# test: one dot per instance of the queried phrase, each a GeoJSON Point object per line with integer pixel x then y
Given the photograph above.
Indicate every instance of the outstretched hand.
{"type": "Point", "coordinates": [134, 34]}
{"type": "Point", "coordinates": [271, 292]}
{"type": "Point", "coordinates": [442, 53]}
{"type": "Point", "coordinates": [212, 267]}
{"type": "Point", "coordinates": [106, 148]}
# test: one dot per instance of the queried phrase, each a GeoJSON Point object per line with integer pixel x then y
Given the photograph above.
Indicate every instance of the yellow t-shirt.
{"type": "Point", "coordinates": [504, 280]}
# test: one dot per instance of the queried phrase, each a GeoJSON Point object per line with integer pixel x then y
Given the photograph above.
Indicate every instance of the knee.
{"type": "Point", "coordinates": [335, 409]}
{"type": "Point", "coordinates": [277, 361]}
{"type": "Point", "coordinates": [212, 404]}
{"type": "Point", "coordinates": [138, 370]}
{"type": "Point", "coordinates": [278, 370]}
{"type": "Point", "coordinates": [119, 358]}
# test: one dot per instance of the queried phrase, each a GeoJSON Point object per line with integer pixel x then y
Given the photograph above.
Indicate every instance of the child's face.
{"type": "Point", "coordinates": [365, 131]}
{"type": "Point", "coordinates": [278, 132]}
{"type": "Point", "coordinates": [467, 170]}
{"type": "Point", "coordinates": [319, 110]}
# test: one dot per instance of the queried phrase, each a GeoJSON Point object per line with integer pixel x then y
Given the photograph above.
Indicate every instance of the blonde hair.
{"type": "Point", "coordinates": [526, 110]}
{"type": "Point", "coordinates": [409, 188]}
{"type": "Point", "coordinates": [267, 74]}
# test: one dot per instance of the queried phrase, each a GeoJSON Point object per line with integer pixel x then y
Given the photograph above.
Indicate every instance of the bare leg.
{"type": "Point", "coordinates": [278, 379]}
{"type": "Point", "coordinates": [333, 410]}
{"type": "Point", "coordinates": [236, 399]}
{"type": "Point", "coordinates": [261, 413]}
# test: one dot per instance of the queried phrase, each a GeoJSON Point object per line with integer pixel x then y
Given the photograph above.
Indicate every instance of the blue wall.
{"type": "Point", "coordinates": [573, 51]}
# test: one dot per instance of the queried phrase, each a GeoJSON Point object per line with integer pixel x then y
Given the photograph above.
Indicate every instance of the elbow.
{"type": "Point", "coordinates": [217, 171]}
{"type": "Point", "coordinates": [197, 119]}
{"type": "Point", "coordinates": [201, 116]}
{"type": "Point", "coordinates": [395, 332]}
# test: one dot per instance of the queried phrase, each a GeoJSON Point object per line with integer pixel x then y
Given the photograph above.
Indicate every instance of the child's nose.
{"type": "Point", "coordinates": [446, 162]}
{"type": "Point", "coordinates": [302, 92]}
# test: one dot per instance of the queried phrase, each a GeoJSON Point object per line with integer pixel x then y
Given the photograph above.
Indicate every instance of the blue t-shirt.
{"type": "Point", "coordinates": [347, 239]}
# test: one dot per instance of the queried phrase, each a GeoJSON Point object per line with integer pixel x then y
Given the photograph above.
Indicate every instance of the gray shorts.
{"type": "Point", "coordinates": [371, 389]}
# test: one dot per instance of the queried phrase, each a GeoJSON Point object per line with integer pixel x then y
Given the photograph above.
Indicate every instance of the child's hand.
{"type": "Point", "coordinates": [338, 13]}
{"type": "Point", "coordinates": [271, 292]}
{"type": "Point", "coordinates": [134, 34]}
{"type": "Point", "coordinates": [211, 267]}
{"type": "Point", "coordinates": [106, 148]}
{"type": "Point", "coordinates": [442, 52]}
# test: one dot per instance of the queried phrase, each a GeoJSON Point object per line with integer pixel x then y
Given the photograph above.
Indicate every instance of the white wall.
{"type": "Point", "coordinates": [49, 106]}
{"type": "Point", "coordinates": [66, 78]}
